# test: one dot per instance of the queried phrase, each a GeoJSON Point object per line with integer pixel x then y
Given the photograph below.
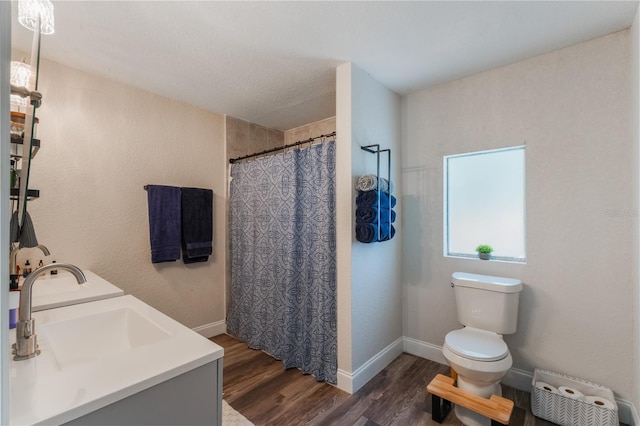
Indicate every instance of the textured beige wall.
{"type": "Point", "coordinates": [344, 229]}
{"type": "Point", "coordinates": [635, 73]}
{"type": "Point", "coordinates": [103, 141]}
{"type": "Point", "coordinates": [244, 138]}
{"type": "Point", "coordinates": [571, 108]}
{"type": "Point", "coordinates": [311, 130]}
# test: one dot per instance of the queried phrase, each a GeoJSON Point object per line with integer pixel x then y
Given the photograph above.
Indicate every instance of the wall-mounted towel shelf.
{"type": "Point", "coordinates": [31, 193]}
{"type": "Point", "coordinates": [375, 149]}
{"type": "Point", "coordinates": [17, 144]}
{"type": "Point", "coordinates": [16, 153]}
{"type": "Point", "coordinates": [382, 216]}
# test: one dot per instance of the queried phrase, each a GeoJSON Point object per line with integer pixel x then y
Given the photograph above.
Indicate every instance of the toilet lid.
{"type": "Point", "coordinates": [477, 344]}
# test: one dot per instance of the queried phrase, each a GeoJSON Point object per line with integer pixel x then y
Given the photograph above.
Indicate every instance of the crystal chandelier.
{"type": "Point", "coordinates": [32, 11]}
{"type": "Point", "coordinates": [20, 74]}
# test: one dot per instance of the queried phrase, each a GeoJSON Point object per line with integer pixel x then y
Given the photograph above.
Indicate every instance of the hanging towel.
{"type": "Point", "coordinates": [370, 215]}
{"type": "Point", "coordinates": [370, 199]}
{"type": "Point", "coordinates": [197, 224]}
{"type": "Point", "coordinates": [14, 228]}
{"type": "Point", "coordinates": [164, 222]}
{"type": "Point", "coordinates": [27, 232]}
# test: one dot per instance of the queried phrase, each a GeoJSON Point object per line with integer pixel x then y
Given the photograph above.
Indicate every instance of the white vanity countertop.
{"type": "Point", "coordinates": [53, 291]}
{"type": "Point", "coordinates": [142, 347]}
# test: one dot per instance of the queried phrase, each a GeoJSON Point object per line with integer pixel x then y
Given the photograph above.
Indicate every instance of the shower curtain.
{"type": "Point", "coordinates": [283, 258]}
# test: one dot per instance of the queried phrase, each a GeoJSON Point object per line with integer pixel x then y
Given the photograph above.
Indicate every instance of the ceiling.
{"type": "Point", "coordinates": [273, 63]}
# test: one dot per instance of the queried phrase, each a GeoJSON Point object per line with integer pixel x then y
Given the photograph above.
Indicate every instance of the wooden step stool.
{"type": "Point", "coordinates": [443, 393]}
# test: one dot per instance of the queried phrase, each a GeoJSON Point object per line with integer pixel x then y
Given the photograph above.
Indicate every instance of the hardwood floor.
{"type": "Point", "coordinates": [259, 388]}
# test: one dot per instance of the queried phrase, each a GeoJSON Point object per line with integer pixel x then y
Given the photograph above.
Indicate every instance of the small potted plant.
{"type": "Point", "coordinates": [484, 251]}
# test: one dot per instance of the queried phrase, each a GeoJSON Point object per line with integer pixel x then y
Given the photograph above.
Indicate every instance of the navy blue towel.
{"type": "Point", "coordinates": [197, 224]}
{"type": "Point", "coordinates": [370, 215]}
{"type": "Point", "coordinates": [370, 199]}
{"type": "Point", "coordinates": [366, 232]}
{"type": "Point", "coordinates": [164, 222]}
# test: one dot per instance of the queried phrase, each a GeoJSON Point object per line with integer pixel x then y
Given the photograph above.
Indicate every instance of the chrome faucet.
{"type": "Point", "coordinates": [26, 345]}
{"type": "Point", "coordinates": [13, 257]}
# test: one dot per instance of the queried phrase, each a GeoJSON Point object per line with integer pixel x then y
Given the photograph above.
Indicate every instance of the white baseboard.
{"type": "Point", "coordinates": [518, 379]}
{"type": "Point", "coordinates": [352, 382]}
{"type": "Point", "coordinates": [424, 350]}
{"type": "Point", "coordinates": [627, 412]}
{"type": "Point", "coordinates": [212, 329]}
{"type": "Point", "coordinates": [345, 381]}
{"type": "Point", "coordinates": [635, 419]}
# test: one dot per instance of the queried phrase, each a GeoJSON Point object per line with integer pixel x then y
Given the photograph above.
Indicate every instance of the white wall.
{"type": "Point", "coordinates": [344, 226]}
{"type": "Point", "coordinates": [635, 108]}
{"type": "Point", "coordinates": [103, 141]}
{"type": "Point", "coordinates": [367, 113]}
{"type": "Point", "coordinates": [571, 110]}
{"type": "Point", "coordinates": [5, 56]}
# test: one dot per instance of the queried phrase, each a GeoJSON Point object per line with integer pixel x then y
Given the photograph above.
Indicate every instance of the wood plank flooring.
{"type": "Point", "coordinates": [259, 388]}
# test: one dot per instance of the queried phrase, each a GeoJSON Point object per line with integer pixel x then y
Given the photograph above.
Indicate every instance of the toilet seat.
{"type": "Point", "coordinates": [477, 345]}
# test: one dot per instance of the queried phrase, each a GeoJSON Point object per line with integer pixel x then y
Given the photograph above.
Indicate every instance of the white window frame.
{"type": "Point", "coordinates": [446, 226]}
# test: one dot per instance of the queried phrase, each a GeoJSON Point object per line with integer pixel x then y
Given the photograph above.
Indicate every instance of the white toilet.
{"type": "Point", "coordinates": [488, 308]}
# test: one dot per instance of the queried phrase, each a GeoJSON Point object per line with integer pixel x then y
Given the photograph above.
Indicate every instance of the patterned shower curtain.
{"type": "Point", "coordinates": [283, 258]}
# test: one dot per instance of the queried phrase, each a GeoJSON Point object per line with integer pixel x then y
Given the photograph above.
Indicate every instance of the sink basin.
{"type": "Point", "coordinates": [63, 290]}
{"type": "Point", "coordinates": [94, 354]}
{"type": "Point", "coordinates": [99, 336]}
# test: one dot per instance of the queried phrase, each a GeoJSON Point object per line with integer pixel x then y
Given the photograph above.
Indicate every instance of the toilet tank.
{"type": "Point", "coordinates": [487, 302]}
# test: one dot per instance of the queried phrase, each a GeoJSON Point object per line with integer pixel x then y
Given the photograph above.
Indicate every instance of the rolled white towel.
{"type": "Point", "coordinates": [371, 182]}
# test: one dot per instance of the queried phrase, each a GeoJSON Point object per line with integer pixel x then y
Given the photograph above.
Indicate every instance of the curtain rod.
{"type": "Point", "coordinates": [268, 151]}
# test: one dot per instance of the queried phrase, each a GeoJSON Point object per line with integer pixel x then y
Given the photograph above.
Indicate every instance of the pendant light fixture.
{"type": "Point", "coordinates": [20, 74]}
{"type": "Point", "coordinates": [29, 11]}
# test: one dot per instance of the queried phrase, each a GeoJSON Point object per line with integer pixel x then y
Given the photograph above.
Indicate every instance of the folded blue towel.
{"type": "Point", "coordinates": [367, 232]}
{"type": "Point", "coordinates": [370, 215]}
{"type": "Point", "coordinates": [385, 230]}
{"type": "Point", "coordinates": [370, 199]}
{"type": "Point", "coordinates": [197, 224]}
{"type": "Point", "coordinates": [164, 222]}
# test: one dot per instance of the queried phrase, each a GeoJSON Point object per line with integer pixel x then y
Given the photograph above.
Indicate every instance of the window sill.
{"type": "Point", "coordinates": [499, 259]}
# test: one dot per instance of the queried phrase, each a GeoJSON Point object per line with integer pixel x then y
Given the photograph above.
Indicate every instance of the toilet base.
{"type": "Point", "coordinates": [471, 418]}
{"type": "Point", "coordinates": [444, 393]}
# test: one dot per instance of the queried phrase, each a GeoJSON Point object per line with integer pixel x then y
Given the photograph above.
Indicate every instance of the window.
{"type": "Point", "coordinates": [484, 203]}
